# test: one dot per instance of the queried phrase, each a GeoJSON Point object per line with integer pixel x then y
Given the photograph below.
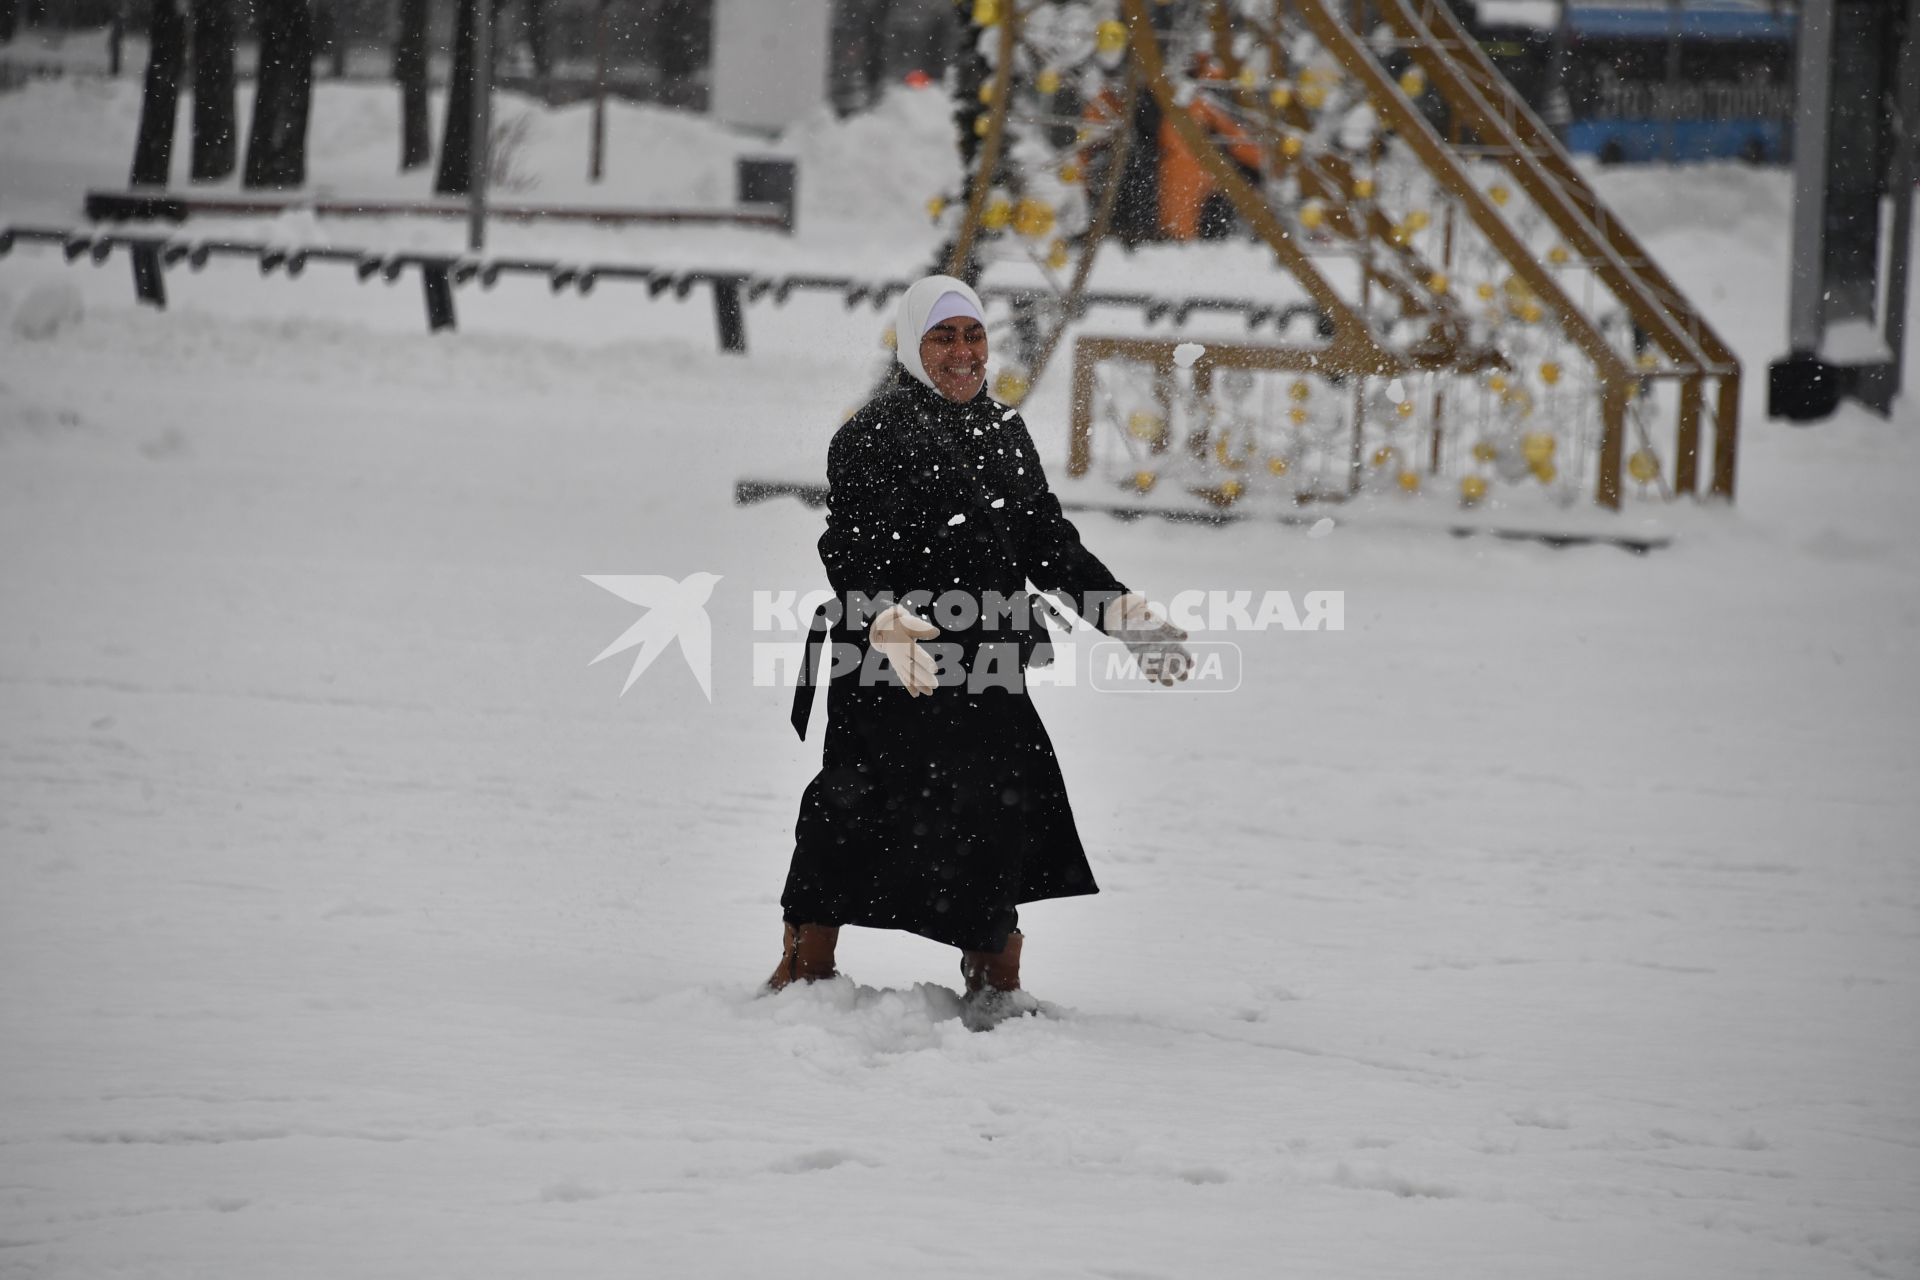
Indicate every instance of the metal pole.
{"type": "Point", "coordinates": [1906, 169]}
{"type": "Point", "coordinates": [597, 155]}
{"type": "Point", "coordinates": [480, 154]}
{"type": "Point", "coordinates": [1674, 17]}
{"type": "Point", "coordinates": [1559, 105]}
{"type": "Point", "coordinates": [727, 314]}
{"type": "Point", "coordinates": [1806, 312]}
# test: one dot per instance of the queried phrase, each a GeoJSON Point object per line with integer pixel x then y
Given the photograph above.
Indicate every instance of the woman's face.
{"type": "Point", "coordinates": [954, 354]}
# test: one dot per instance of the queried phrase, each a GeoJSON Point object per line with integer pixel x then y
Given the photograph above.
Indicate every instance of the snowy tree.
{"type": "Point", "coordinates": [539, 47]}
{"type": "Point", "coordinates": [283, 96]}
{"type": "Point", "coordinates": [215, 140]}
{"type": "Point", "coordinates": [456, 137]}
{"type": "Point", "coordinates": [682, 40]}
{"type": "Point", "coordinates": [160, 101]}
{"type": "Point", "coordinates": [410, 69]}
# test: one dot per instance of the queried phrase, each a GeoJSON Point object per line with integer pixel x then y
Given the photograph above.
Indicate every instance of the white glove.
{"type": "Point", "coordinates": [897, 633]}
{"type": "Point", "coordinates": [1154, 641]}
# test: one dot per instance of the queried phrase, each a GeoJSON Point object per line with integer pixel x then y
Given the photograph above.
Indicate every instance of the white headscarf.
{"type": "Point", "coordinates": [925, 305]}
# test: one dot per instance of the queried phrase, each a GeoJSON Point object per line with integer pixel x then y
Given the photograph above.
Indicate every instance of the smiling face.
{"type": "Point", "coordinates": [954, 354]}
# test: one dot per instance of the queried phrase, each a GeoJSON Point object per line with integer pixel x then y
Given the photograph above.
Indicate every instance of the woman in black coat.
{"type": "Point", "coordinates": [939, 806]}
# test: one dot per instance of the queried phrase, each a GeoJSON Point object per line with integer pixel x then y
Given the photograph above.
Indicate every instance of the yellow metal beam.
{"type": "Point", "coordinates": [1353, 349]}
{"type": "Point", "coordinates": [1399, 113]}
{"type": "Point", "coordinates": [989, 146]}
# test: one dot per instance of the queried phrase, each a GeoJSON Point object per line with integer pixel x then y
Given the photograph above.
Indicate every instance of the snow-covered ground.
{"type": "Point", "coordinates": [1559, 917]}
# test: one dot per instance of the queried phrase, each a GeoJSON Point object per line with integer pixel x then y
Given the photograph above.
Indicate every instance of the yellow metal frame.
{"type": "Point", "coordinates": [1474, 88]}
{"type": "Point", "coordinates": [1480, 100]}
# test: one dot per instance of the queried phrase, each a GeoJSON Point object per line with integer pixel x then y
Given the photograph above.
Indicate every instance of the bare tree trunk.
{"type": "Point", "coordinates": [456, 139]}
{"type": "Point", "coordinates": [537, 44]}
{"type": "Point", "coordinates": [873, 61]}
{"type": "Point", "coordinates": [332, 37]}
{"type": "Point", "coordinates": [153, 146]}
{"type": "Point", "coordinates": [410, 69]}
{"type": "Point", "coordinates": [215, 140]}
{"type": "Point", "coordinates": [674, 49]}
{"type": "Point", "coordinates": [283, 96]}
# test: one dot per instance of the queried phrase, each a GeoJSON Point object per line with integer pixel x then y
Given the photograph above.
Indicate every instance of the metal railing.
{"type": "Point", "coordinates": [732, 290]}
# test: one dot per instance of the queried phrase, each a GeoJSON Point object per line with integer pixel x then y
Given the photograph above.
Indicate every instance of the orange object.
{"type": "Point", "coordinates": [1185, 185]}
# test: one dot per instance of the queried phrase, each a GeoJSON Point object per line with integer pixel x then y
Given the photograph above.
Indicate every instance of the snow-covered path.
{"type": "Point", "coordinates": [1559, 917]}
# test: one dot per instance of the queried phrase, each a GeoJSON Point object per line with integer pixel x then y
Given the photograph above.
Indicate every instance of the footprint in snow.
{"type": "Point", "coordinates": [568, 1191]}
{"type": "Point", "coordinates": [1203, 1177]}
{"type": "Point", "coordinates": [815, 1161]}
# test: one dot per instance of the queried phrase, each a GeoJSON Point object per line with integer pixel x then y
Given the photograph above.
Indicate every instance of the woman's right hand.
{"type": "Point", "coordinates": [897, 634]}
{"type": "Point", "coordinates": [1155, 642]}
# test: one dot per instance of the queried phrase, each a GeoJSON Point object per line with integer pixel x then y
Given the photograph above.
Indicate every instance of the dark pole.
{"type": "Point", "coordinates": [1560, 105]}
{"type": "Point", "coordinates": [482, 125]}
{"type": "Point", "coordinates": [1806, 305]}
{"type": "Point", "coordinates": [1674, 17]}
{"type": "Point", "coordinates": [1905, 170]}
{"type": "Point", "coordinates": [597, 154]}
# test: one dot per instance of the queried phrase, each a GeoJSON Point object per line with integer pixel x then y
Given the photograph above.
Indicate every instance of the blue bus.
{"type": "Point", "coordinates": [1604, 76]}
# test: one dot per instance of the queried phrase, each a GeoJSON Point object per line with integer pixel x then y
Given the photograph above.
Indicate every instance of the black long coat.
{"type": "Point", "coordinates": [939, 814]}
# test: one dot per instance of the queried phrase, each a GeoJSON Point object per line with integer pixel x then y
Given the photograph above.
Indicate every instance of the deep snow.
{"type": "Point", "coordinates": [1559, 917]}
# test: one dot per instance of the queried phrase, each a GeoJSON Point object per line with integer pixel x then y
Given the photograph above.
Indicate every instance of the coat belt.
{"type": "Point", "coordinates": [809, 664]}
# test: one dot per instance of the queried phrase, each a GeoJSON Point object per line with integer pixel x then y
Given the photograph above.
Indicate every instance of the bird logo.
{"type": "Point", "coordinates": [674, 611]}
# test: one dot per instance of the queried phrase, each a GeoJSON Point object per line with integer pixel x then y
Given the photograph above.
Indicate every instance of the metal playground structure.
{"type": "Point", "coordinates": [1469, 316]}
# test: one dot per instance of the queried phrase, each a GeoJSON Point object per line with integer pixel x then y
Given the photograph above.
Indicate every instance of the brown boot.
{"type": "Point", "coordinates": [806, 955]}
{"type": "Point", "coordinates": [999, 970]}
